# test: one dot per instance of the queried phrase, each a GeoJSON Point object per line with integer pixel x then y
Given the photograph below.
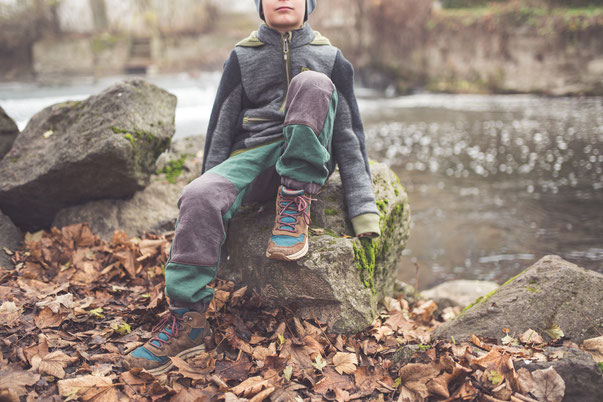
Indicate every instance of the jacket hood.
{"type": "Point", "coordinates": [310, 6]}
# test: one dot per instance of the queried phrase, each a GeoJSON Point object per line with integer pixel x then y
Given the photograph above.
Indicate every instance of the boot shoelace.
{"type": "Point", "coordinates": [170, 321]}
{"type": "Point", "coordinates": [291, 207]}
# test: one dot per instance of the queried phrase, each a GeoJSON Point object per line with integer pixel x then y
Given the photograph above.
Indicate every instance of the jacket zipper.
{"type": "Point", "coordinates": [286, 39]}
{"type": "Point", "coordinates": [247, 119]}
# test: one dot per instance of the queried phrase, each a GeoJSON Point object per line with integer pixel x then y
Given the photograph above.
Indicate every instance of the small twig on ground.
{"type": "Point", "coordinates": [218, 381]}
{"type": "Point", "coordinates": [591, 323]}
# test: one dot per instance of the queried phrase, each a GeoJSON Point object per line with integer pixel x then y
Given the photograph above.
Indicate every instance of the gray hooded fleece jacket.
{"type": "Point", "coordinates": [249, 108]}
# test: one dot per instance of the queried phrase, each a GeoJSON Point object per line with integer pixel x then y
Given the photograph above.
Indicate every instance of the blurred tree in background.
{"type": "Point", "coordinates": [533, 3]}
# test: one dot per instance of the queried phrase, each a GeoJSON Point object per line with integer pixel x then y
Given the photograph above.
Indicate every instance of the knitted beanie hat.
{"type": "Point", "coordinates": [310, 6]}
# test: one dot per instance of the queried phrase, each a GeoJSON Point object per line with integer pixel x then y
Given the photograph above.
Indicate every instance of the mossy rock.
{"type": "Point", "coordinates": [550, 292]}
{"type": "Point", "coordinates": [8, 133]}
{"type": "Point", "coordinates": [73, 152]}
{"type": "Point", "coordinates": [333, 282]}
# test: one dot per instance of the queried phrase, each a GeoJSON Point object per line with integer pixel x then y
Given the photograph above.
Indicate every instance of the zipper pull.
{"type": "Point", "coordinates": [285, 46]}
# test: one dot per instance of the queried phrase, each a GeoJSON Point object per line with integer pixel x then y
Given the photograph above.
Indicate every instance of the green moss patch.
{"type": "Point", "coordinates": [173, 169]}
{"type": "Point", "coordinates": [145, 145]}
{"type": "Point", "coordinates": [479, 300]}
{"type": "Point", "coordinates": [331, 212]}
{"type": "Point", "coordinates": [364, 256]}
{"type": "Point", "coordinates": [369, 253]}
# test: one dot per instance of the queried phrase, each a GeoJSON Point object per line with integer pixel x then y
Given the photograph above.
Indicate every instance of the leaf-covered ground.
{"type": "Point", "coordinates": [74, 305]}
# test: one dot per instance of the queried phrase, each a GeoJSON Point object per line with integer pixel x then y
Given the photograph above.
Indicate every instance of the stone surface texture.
{"type": "Point", "coordinates": [10, 237]}
{"type": "Point", "coordinates": [328, 282]}
{"type": "Point", "coordinates": [73, 152]}
{"type": "Point", "coordinates": [8, 133]}
{"type": "Point", "coordinates": [582, 376]}
{"type": "Point", "coordinates": [552, 291]}
{"type": "Point", "coordinates": [153, 209]}
{"type": "Point", "coordinates": [458, 293]}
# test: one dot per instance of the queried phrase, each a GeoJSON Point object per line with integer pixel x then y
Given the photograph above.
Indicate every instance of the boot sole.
{"type": "Point", "coordinates": [290, 257]}
{"type": "Point", "coordinates": [167, 366]}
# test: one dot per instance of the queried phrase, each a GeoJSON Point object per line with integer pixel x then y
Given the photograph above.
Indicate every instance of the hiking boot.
{"type": "Point", "coordinates": [289, 240]}
{"type": "Point", "coordinates": [180, 333]}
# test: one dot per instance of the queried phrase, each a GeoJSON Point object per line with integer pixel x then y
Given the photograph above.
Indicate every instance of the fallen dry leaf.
{"type": "Point", "coordinates": [554, 332]}
{"type": "Point", "coordinates": [594, 346]}
{"type": "Point", "coordinates": [47, 319]}
{"type": "Point", "coordinates": [53, 363]}
{"type": "Point", "coordinates": [424, 312]}
{"type": "Point", "coordinates": [391, 304]}
{"type": "Point", "coordinates": [187, 370]}
{"type": "Point", "coordinates": [526, 382]}
{"type": "Point", "coordinates": [548, 385]}
{"type": "Point", "coordinates": [251, 386]}
{"type": "Point", "coordinates": [399, 323]}
{"type": "Point", "coordinates": [88, 388]}
{"type": "Point", "coordinates": [15, 379]}
{"type": "Point", "coordinates": [416, 375]}
{"type": "Point", "coordinates": [55, 303]}
{"type": "Point", "coordinates": [10, 314]}
{"type": "Point", "coordinates": [233, 370]}
{"type": "Point", "coordinates": [531, 336]}
{"type": "Point", "coordinates": [262, 395]}
{"type": "Point", "coordinates": [331, 381]}
{"type": "Point", "coordinates": [345, 362]}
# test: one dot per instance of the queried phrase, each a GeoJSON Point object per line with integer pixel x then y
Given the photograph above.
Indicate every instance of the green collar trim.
{"type": "Point", "coordinates": [251, 41]}
{"type": "Point", "coordinates": [320, 40]}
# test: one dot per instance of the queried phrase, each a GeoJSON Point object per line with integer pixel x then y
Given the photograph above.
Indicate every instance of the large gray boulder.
{"type": "Point", "coordinates": [582, 376]}
{"type": "Point", "coordinates": [552, 291]}
{"type": "Point", "coordinates": [337, 281]}
{"type": "Point", "coordinates": [73, 152]}
{"type": "Point", "coordinates": [10, 237]}
{"type": "Point", "coordinates": [460, 292]}
{"type": "Point", "coordinates": [153, 209]}
{"type": "Point", "coordinates": [8, 133]}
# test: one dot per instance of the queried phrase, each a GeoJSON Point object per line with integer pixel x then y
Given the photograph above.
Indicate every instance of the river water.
{"type": "Point", "coordinates": [495, 182]}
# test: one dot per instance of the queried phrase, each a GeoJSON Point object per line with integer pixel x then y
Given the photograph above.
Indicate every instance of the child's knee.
{"type": "Point", "coordinates": [311, 79]}
{"type": "Point", "coordinates": [210, 189]}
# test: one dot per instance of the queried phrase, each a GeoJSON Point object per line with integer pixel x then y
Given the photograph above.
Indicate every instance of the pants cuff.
{"type": "Point", "coordinates": [309, 188]}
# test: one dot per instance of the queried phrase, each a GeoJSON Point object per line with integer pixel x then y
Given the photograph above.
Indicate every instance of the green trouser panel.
{"type": "Point", "coordinates": [307, 154]}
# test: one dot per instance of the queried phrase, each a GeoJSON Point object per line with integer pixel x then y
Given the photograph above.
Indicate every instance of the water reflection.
{"type": "Point", "coordinates": [494, 182]}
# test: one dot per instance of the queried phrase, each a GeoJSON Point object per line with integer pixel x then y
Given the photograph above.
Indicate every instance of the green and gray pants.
{"type": "Point", "coordinates": [302, 160]}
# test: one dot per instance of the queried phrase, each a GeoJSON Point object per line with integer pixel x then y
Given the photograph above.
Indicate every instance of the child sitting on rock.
{"type": "Point", "coordinates": [284, 114]}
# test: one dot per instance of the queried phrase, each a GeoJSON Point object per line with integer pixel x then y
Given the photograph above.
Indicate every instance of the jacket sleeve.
{"type": "Point", "coordinates": [225, 115]}
{"type": "Point", "coordinates": [350, 152]}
